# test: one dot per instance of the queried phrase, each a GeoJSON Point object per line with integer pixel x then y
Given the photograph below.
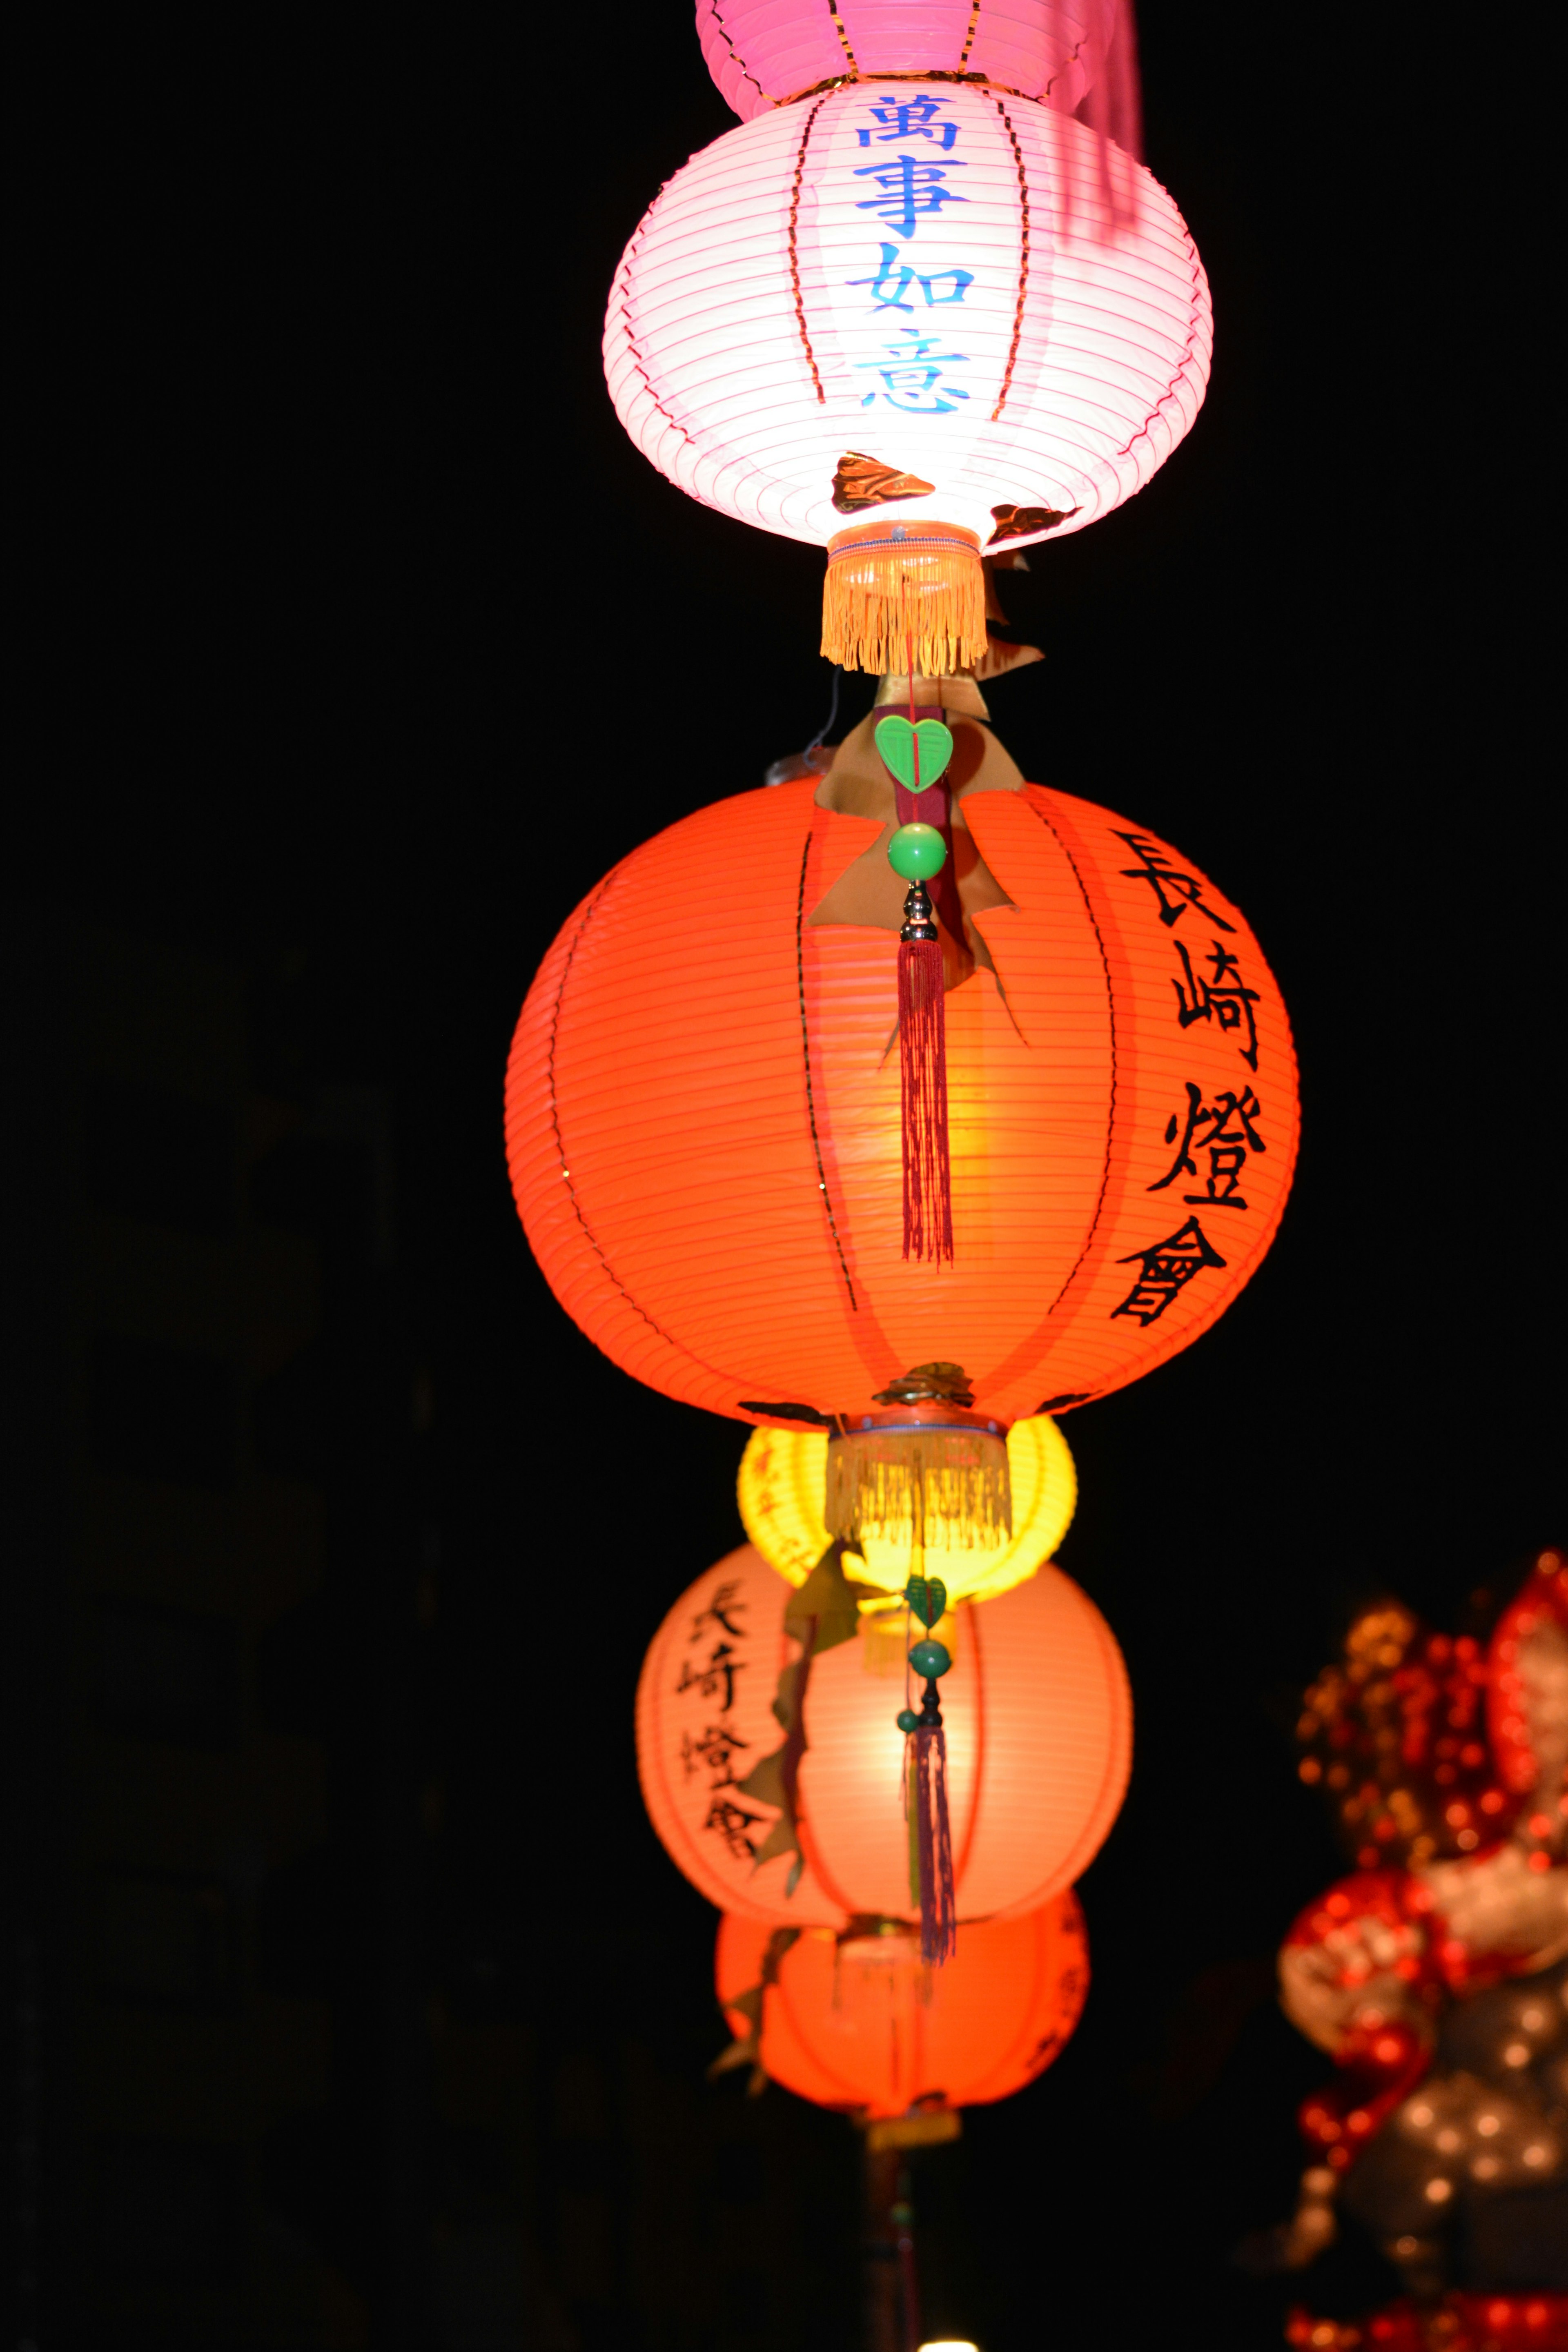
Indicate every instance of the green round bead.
{"type": "Point", "coordinates": [916, 852]}
{"type": "Point", "coordinates": [931, 1659]}
{"type": "Point", "coordinates": [908, 1720]}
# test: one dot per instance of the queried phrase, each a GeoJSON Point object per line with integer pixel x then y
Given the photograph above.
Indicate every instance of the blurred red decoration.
{"type": "Point", "coordinates": [1039, 1731]}
{"type": "Point", "coordinates": [854, 2021]}
{"type": "Point", "coordinates": [1440, 1988]}
{"type": "Point", "coordinates": [1455, 2323]}
{"type": "Point", "coordinates": [1396, 1737]}
{"type": "Point", "coordinates": [1531, 1640]}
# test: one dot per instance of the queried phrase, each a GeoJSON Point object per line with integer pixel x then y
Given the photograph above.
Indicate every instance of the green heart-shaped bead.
{"type": "Point", "coordinates": [917, 756]}
{"type": "Point", "coordinates": [927, 1596]}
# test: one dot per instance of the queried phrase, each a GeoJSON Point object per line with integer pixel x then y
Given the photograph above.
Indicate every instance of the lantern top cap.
{"type": "Point", "coordinates": [930, 1385]}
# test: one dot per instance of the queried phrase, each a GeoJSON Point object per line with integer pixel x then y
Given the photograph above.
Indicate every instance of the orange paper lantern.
{"type": "Point", "coordinates": [1038, 1725]}
{"type": "Point", "coordinates": [704, 1115]}
{"type": "Point", "coordinates": [855, 2023]}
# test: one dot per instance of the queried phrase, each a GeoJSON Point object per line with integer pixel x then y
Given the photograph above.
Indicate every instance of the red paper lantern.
{"type": "Point", "coordinates": [855, 2023]}
{"type": "Point", "coordinates": [703, 1116]}
{"type": "Point", "coordinates": [1038, 1729]}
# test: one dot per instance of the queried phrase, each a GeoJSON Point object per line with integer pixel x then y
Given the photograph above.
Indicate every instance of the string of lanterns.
{"type": "Point", "coordinates": [899, 1107]}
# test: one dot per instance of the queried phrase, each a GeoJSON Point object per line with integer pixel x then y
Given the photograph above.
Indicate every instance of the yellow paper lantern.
{"type": "Point", "coordinates": [782, 1490]}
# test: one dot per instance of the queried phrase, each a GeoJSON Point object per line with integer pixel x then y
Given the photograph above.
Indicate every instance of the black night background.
{"type": "Point", "coordinates": [354, 2002]}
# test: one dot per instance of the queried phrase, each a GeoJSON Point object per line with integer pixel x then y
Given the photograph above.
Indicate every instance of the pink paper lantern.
{"type": "Point", "coordinates": [764, 53]}
{"type": "Point", "coordinates": [908, 322]}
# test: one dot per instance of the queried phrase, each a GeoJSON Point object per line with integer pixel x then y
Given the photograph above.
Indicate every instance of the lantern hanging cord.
{"type": "Point", "coordinates": [831, 720]}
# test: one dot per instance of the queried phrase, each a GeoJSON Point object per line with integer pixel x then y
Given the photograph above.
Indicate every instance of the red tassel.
{"type": "Point", "coordinates": [922, 1067]}
{"type": "Point", "coordinates": [939, 1926]}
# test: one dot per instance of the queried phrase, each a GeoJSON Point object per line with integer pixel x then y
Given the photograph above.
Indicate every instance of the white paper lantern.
{"type": "Point", "coordinates": [899, 321]}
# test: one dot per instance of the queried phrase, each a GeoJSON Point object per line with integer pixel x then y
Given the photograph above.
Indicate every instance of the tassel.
{"type": "Point", "coordinates": [932, 1839]}
{"type": "Point", "coordinates": [925, 1745]}
{"type": "Point", "coordinates": [933, 1488]}
{"type": "Point", "coordinates": [922, 1078]}
{"type": "Point", "coordinates": [885, 578]}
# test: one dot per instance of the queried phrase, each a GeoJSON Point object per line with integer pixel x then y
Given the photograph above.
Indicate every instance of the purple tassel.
{"type": "Point", "coordinates": [939, 1926]}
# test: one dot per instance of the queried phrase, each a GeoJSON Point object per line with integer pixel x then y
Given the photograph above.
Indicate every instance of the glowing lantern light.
{"type": "Point", "coordinates": [781, 1489]}
{"type": "Point", "coordinates": [703, 1117]}
{"type": "Point", "coordinates": [1038, 1738]}
{"type": "Point", "coordinates": [855, 2023]}
{"type": "Point", "coordinates": [908, 321]}
{"type": "Point", "coordinates": [762, 55]}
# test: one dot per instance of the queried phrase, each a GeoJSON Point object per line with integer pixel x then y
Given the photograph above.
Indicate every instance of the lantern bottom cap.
{"type": "Point", "coordinates": [904, 595]}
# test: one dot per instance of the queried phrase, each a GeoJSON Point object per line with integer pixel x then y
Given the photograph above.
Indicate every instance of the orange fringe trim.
{"type": "Point", "coordinates": [889, 583]}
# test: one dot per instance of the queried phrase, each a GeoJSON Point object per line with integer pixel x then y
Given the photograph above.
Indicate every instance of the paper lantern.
{"type": "Point", "coordinates": [908, 321]}
{"type": "Point", "coordinates": [781, 1489]}
{"type": "Point", "coordinates": [1038, 1742]}
{"type": "Point", "coordinates": [855, 2023]}
{"type": "Point", "coordinates": [763, 54]}
{"type": "Point", "coordinates": [703, 1117]}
